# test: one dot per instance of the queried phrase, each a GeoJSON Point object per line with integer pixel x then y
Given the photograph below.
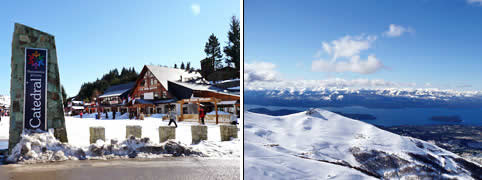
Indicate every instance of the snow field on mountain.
{"type": "Point", "coordinates": [320, 135]}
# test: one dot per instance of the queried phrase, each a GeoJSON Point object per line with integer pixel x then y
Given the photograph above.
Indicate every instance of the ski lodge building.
{"type": "Point", "coordinates": [115, 98]}
{"type": "Point", "coordinates": [160, 89]}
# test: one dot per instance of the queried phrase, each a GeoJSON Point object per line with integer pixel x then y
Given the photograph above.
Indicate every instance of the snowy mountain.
{"type": "Point", "coordinates": [372, 98]}
{"type": "Point", "coordinates": [318, 144]}
{"type": "Point", "coordinates": [4, 100]}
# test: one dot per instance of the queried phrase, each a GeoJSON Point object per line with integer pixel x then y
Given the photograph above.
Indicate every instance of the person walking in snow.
{"type": "Point", "coordinates": [81, 113]}
{"type": "Point", "coordinates": [202, 113]}
{"type": "Point", "coordinates": [172, 117]}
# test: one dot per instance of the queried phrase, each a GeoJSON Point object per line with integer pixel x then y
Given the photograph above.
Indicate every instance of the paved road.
{"type": "Point", "coordinates": [165, 168]}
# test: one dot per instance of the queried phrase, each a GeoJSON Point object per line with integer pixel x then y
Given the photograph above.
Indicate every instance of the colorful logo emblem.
{"type": "Point", "coordinates": [36, 59]}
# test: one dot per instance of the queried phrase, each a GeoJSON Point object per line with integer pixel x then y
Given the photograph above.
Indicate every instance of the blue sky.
{"type": "Point", "coordinates": [431, 44]}
{"type": "Point", "coordinates": [93, 37]}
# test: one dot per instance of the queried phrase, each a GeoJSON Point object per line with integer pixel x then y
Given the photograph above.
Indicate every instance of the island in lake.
{"type": "Point", "coordinates": [357, 116]}
{"type": "Point", "coordinates": [280, 112]}
{"type": "Point", "coordinates": [452, 119]}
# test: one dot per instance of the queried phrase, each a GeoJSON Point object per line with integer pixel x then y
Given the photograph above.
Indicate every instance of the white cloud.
{"type": "Point", "coordinates": [348, 46]}
{"type": "Point", "coordinates": [196, 9]}
{"type": "Point", "coordinates": [479, 2]}
{"type": "Point", "coordinates": [260, 71]}
{"type": "Point", "coordinates": [263, 75]}
{"type": "Point", "coordinates": [325, 83]}
{"type": "Point", "coordinates": [397, 30]}
{"type": "Point", "coordinates": [370, 65]}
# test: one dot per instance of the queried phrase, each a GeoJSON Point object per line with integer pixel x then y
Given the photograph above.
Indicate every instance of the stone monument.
{"type": "Point", "coordinates": [36, 97]}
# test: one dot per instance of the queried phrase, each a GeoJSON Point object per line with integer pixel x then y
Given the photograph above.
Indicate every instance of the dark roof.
{"type": "Point", "coordinates": [179, 91]}
{"type": "Point", "coordinates": [143, 101]}
{"type": "Point", "coordinates": [118, 90]}
{"type": "Point", "coordinates": [165, 101]}
{"type": "Point", "coordinates": [147, 101]}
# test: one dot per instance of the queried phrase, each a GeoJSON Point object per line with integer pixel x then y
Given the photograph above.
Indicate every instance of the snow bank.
{"type": "Point", "coordinates": [160, 116]}
{"type": "Point", "coordinates": [78, 129]}
{"type": "Point", "coordinates": [4, 127]}
{"type": "Point", "coordinates": [219, 113]}
{"type": "Point", "coordinates": [43, 147]}
{"type": "Point", "coordinates": [224, 149]}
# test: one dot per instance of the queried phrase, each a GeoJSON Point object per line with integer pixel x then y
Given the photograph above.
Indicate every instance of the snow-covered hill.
{"type": "Point", "coordinates": [318, 144]}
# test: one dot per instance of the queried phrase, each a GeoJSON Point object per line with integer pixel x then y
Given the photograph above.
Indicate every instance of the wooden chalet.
{"type": "Point", "coordinates": [159, 89]}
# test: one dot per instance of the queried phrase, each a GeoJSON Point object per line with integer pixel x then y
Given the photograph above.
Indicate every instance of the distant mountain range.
{"type": "Point", "coordinates": [371, 98]}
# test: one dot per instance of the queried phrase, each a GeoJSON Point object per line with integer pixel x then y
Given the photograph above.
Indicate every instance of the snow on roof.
{"type": "Point", "coordinates": [164, 74]}
{"type": "Point", "coordinates": [77, 107]}
{"type": "Point", "coordinates": [113, 93]}
{"type": "Point", "coordinates": [205, 87]}
{"type": "Point", "coordinates": [227, 102]}
{"type": "Point", "coordinates": [237, 88]}
{"type": "Point", "coordinates": [229, 80]}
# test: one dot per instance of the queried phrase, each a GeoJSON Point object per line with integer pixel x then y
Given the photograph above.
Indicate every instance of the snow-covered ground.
{"type": "Point", "coordinates": [4, 125]}
{"type": "Point", "coordinates": [4, 100]}
{"type": "Point", "coordinates": [78, 129]}
{"type": "Point", "coordinates": [78, 134]}
{"type": "Point", "coordinates": [319, 144]}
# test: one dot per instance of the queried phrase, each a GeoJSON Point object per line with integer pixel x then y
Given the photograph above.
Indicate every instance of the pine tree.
{"type": "Point", "coordinates": [188, 66]}
{"type": "Point", "coordinates": [182, 65]}
{"type": "Point", "coordinates": [207, 67]}
{"type": "Point", "coordinates": [232, 51]}
{"type": "Point", "coordinates": [175, 66]}
{"type": "Point", "coordinates": [213, 51]}
{"type": "Point", "coordinates": [64, 94]}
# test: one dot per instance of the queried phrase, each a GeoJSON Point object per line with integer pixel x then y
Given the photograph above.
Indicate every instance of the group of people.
{"type": "Point", "coordinates": [81, 114]}
{"type": "Point", "coordinates": [2, 113]}
{"type": "Point", "coordinates": [172, 116]}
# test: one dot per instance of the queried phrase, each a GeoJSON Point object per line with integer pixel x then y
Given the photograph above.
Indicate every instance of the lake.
{"type": "Point", "coordinates": [395, 117]}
